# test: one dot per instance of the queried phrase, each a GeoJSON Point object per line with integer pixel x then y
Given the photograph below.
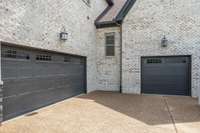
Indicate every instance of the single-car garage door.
{"type": "Point", "coordinates": [35, 78]}
{"type": "Point", "coordinates": [166, 75]}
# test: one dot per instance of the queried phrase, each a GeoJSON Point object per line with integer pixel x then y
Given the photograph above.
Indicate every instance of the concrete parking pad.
{"type": "Point", "coordinates": [112, 112]}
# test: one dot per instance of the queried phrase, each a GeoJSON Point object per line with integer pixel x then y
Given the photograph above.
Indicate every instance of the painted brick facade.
{"type": "Point", "coordinates": [108, 68]}
{"type": "Point", "coordinates": [37, 23]}
{"type": "Point", "coordinates": [145, 25]}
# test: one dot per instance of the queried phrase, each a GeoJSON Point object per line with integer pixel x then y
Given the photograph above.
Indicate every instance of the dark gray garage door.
{"type": "Point", "coordinates": [33, 79]}
{"type": "Point", "coordinates": [166, 75]}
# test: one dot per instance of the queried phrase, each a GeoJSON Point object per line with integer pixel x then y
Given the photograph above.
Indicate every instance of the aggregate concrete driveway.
{"type": "Point", "coordinates": [109, 112]}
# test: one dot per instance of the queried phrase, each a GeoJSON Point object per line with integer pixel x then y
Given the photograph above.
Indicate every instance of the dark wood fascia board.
{"type": "Point", "coordinates": [124, 11]}
{"type": "Point", "coordinates": [106, 24]}
{"type": "Point", "coordinates": [110, 2]}
{"type": "Point", "coordinates": [102, 14]}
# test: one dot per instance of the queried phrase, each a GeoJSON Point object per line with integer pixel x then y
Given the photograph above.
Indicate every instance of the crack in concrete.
{"type": "Point", "coordinates": [170, 114]}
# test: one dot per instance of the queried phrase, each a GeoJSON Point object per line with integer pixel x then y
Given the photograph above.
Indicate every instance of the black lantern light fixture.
{"type": "Point", "coordinates": [64, 35]}
{"type": "Point", "coordinates": [164, 42]}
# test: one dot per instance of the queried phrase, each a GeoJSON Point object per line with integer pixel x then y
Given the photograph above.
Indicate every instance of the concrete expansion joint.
{"type": "Point", "coordinates": [170, 114]}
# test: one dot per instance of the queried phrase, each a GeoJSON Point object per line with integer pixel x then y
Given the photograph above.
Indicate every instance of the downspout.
{"type": "Point", "coordinates": [120, 59]}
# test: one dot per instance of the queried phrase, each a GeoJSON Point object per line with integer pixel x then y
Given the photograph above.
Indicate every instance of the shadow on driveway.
{"type": "Point", "coordinates": [152, 110]}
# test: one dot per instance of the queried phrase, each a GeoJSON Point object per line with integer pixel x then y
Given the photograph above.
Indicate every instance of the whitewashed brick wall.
{"type": "Point", "coordinates": [108, 68]}
{"type": "Point", "coordinates": [145, 25]}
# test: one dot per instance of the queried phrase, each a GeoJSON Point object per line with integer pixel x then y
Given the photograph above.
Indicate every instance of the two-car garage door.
{"type": "Point", "coordinates": [166, 75]}
{"type": "Point", "coordinates": [35, 78]}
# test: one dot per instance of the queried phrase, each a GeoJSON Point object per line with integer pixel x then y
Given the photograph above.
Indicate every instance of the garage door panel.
{"type": "Point", "coordinates": [165, 80]}
{"type": "Point", "coordinates": [22, 86]}
{"type": "Point", "coordinates": [166, 69]}
{"type": "Point", "coordinates": [14, 70]}
{"type": "Point", "coordinates": [168, 76]}
{"type": "Point", "coordinates": [50, 95]}
{"type": "Point", "coordinates": [18, 105]}
{"type": "Point", "coordinates": [163, 87]}
{"type": "Point", "coordinates": [65, 69]}
{"type": "Point", "coordinates": [33, 83]}
{"type": "Point", "coordinates": [165, 92]}
{"type": "Point", "coordinates": [15, 87]}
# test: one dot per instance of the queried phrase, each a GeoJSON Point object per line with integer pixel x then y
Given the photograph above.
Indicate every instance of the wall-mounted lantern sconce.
{"type": "Point", "coordinates": [63, 36]}
{"type": "Point", "coordinates": [164, 42]}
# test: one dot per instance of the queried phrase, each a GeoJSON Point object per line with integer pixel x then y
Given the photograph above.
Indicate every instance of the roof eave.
{"type": "Point", "coordinates": [110, 2]}
{"type": "Point", "coordinates": [106, 24]}
{"type": "Point", "coordinates": [118, 19]}
{"type": "Point", "coordinates": [124, 11]}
